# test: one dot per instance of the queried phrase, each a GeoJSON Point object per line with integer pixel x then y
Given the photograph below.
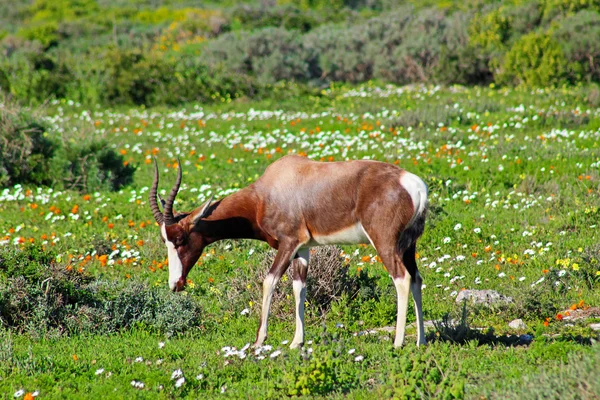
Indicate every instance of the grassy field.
{"type": "Point", "coordinates": [514, 180]}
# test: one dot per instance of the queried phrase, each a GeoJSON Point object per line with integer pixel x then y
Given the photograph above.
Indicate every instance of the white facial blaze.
{"type": "Point", "coordinates": [175, 266]}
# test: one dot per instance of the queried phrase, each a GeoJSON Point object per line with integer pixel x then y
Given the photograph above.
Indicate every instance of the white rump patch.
{"type": "Point", "coordinates": [417, 189]}
{"type": "Point", "coordinates": [175, 266]}
{"type": "Point", "coordinates": [354, 234]}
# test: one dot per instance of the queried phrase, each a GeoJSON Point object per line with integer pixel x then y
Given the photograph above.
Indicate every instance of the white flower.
{"type": "Point", "coordinates": [199, 377]}
{"type": "Point", "coordinates": [245, 311]}
{"type": "Point", "coordinates": [359, 358]}
{"type": "Point", "coordinates": [339, 325]}
{"type": "Point", "coordinates": [180, 382]}
{"type": "Point", "coordinates": [457, 227]}
{"type": "Point", "coordinates": [139, 359]}
{"type": "Point", "coordinates": [501, 275]}
{"type": "Point", "coordinates": [562, 272]}
{"type": "Point", "coordinates": [447, 240]}
{"type": "Point", "coordinates": [161, 345]}
{"type": "Point", "coordinates": [275, 353]}
{"type": "Point", "coordinates": [521, 279]}
{"type": "Point", "coordinates": [285, 342]}
{"type": "Point", "coordinates": [477, 230]}
{"type": "Point", "coordinates": [178, 373]}
{"type": "Point", "coordinates": [19, 393]}
{"type": "Point", "coordinates": [99, 371]}
{"type": "Point", "coordinates": [223, 388]}
{"type": "Point", "coordinates": [351, 351]}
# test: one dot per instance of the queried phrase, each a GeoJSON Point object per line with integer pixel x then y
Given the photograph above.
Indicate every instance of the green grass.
{"type": "Point", "coordinates": [514, 190]}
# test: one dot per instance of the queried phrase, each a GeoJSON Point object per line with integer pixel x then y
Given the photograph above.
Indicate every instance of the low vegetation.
{"type": "Point", "coordinates": [514, 183]}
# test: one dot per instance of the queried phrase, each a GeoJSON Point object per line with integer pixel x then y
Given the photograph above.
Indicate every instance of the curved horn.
{"type": "Point", "coordinates": [168, 209]}
{"type": "Point", "coordinates": [158, 216]}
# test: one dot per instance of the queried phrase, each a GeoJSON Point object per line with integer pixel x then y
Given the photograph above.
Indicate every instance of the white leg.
{"type": "Point", "coordinates": [402, 290]}
{"type": "Point", "coordinates": [268, 287]}
{"type": "Point", "coordinates": [300, 297]}
{"type": "Point", "coordinates": [415, 288]}
{"type": "Point", "coordinates": [299, 286]}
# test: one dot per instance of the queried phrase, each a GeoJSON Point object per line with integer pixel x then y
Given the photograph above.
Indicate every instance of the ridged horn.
{"type": "Point", "coordinates": [158, 216]}
{"type": "Point", "coordinates": [168, 209]}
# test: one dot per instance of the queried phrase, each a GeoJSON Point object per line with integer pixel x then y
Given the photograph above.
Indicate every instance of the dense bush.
{"type": "Point", "coordinates": [29, 156]}
{"type": "Point", "coordinates": [42, 297]}
{"type": "Point", "coordinates": [72, 49]}
{"type": "Point", "coordinates": [271, 54]}
{"type": "Point", "coordinates": [94, 167]}
{"type": "Point", "coordinates": [535, 60]}
{"type": "Point", "coordinates": [25, 150]}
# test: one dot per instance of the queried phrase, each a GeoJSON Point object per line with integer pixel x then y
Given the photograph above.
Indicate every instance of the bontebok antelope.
{"type": "Point", "coordinates": [297, 204]}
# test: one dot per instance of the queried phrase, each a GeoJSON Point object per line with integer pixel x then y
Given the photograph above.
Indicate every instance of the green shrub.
{"type": "Point", "coordinates": [130, 76]}
{"type": "Point", "coordinates": [552, 8]}
{"type": "Point", "coordinates": [94, 166]}
{"type": "Point", "coordinates": [323, 373]}
{"type": "Point", "coordinates": [288, 17]}
{"type": "Point", "coordinates": [535, 60]}
{"type": "Point", "coordinates": [25, 149]}
{"type": "Point", "coordinates": [435, 372]}
{"type": "Point", "coordinates": [41, 297]}
{"type": "Point", "coordinates": [417, 54]}
{"type": "Point", "coordinates": [46, 33]}
{"type": "Point", "coordinates": [578, 36]}
{"type": "Point", "coordinates": [270, 54]}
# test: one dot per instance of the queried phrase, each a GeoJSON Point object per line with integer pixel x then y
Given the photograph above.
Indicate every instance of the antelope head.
{"type": "Point", "coordinates": [184, 243]}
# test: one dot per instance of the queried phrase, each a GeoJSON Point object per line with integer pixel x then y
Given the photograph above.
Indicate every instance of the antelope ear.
{"type": "Point", "coordinates": [203, 212]}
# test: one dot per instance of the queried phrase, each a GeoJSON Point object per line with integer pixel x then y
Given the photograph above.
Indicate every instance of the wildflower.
{"type": "Point", "coordinates": [457, 227]}
{"type": "Point", "coordinates": [245, 311]}
{"type": "Point", "coordinates": [180, 382]}
{"type": "Point", "coordinates": [359, 358]}
{"type": "Point", "coordinates": [559, 317]}
{"type": "Point", "coordinates": [99, 371]}
{"type": "Point", "coordinates": [178, 373]}
{"type": "Point", "coordinates": [19, 393]}
{"type": "Point", "coordinates": [575, 267]}
{"type": "Point", "coordinates": [199, 377]}
{"type": "Point", "coordinates": [275, 354]}
{"type": "Point", "coordinates": [351, 351]}
{"type": "Point", "coordinates": [161, 345]}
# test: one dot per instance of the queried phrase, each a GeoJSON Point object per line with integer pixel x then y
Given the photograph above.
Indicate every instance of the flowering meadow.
{"type": "Point", "coordinates": [514, 189]}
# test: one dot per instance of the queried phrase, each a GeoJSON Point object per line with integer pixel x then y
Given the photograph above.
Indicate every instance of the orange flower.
{"type": "Point", "coordinates": [87, 197]}
{"type": "Point", "coordinates": [111, 225]}
{"type": "Point", "coordinates": [75, 209]}
{"type": "Point", "coordinates": [140, 243]}
{"type": "Point", "coordinates": [366, 258]}
{"type": "Point", "coordinates": [559, 317]}
{"type": "Point", "coordinates": [546, 323]}
{"type": "Point", "coordinates": [573, 307]}
{"type": "Point", "coordinates": [75, 358]}
{"type": "Point", "coordinates": [28, 396]}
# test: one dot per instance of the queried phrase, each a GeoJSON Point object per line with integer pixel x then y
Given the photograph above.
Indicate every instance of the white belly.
{"type": "Point", "coordinates": [354, 234]}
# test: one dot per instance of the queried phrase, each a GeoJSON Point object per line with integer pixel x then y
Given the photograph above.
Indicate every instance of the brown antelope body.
{"type": "Point", "coordinates": [298, 204]}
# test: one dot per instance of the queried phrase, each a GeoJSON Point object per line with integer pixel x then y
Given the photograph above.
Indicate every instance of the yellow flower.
{"type": "Point", "coordinates": [597, 273]}
{"type": "Point", "coordinates": [575, 267]}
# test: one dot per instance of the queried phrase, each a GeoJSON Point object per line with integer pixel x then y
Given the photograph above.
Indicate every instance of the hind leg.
{"type": "Point", "coordinates": [409, 261]}
{"type": "Point", "coordinates": [401, 278]}
{"type": "Point", "coordinates": [300, 265]}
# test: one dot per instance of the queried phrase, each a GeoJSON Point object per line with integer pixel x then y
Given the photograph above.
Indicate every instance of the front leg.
{"type": "Point", "coordinates": [300, 265]}
{"type": "Point", "coordinates": [280, 265]}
